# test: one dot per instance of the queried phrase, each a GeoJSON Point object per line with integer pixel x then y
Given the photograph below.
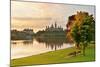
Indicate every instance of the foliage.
{"type": "Point", "coordinates": [83, 31]}
{"type": "Point", "coordinates": [87, 29]}
{"type": "Point", "coordinates": [76, 35]}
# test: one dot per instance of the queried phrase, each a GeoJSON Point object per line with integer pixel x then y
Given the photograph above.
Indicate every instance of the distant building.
{"type": "Point", "coordinates": [14, 30]}
{"type": "Point", "coordinates": [30, 31]}
{"type": "Point", "coordinates": [54, 28]}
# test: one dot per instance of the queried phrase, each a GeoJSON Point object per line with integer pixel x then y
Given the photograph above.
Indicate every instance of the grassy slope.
{"type": "Point", "coordinates": [59, 56]}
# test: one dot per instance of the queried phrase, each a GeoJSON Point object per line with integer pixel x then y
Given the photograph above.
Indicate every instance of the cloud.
{"type": "Point", "coordinates": [31, 18]}
{"type": "Point", "coordinates": [37, 15]}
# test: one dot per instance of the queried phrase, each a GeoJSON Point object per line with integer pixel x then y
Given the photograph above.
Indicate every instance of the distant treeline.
{"type": "Point", "coordinates": [26, 34]}
{"type": "Point", "coordinates": [22, 35]}
{"type": "Point", "coordinates": [51, 34]}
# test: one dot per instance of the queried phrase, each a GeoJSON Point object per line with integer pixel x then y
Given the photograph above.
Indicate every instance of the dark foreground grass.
{"type": "Point", "coordinates": [59, 56]}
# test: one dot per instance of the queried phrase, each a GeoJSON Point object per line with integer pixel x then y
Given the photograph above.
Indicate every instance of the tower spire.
{"type": "Point", "coordinates": [55, 24]}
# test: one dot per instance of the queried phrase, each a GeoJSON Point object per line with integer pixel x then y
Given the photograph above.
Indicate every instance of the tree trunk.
{"type": "Point", "coordinates": [83, 50]}
{"type": "Point", "coordinates": [77, 45]}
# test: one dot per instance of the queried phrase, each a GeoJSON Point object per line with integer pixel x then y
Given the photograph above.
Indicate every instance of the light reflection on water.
{"type": "Point", "coordinates": [23, 48]}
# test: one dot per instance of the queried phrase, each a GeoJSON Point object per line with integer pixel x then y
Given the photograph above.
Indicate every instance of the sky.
{"type": "Point", "coordinates": [37, 16]}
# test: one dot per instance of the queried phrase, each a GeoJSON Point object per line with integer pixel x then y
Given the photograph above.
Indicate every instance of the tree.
{"type": "Point", "coordinates": [75, 20]}
{"type": "Point", "coordinates": [76, 35]}
{"type": "Point", "coordinates": [87, 31]}
{"type": "Point", "coordinates": [83, 32]}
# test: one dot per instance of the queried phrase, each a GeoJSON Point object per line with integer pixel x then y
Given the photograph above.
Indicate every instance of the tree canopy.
{"type": "Point", "coordinates": [82, 29]}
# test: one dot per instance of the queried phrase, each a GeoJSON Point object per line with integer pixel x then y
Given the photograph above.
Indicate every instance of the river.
{"type": "Point", "coordinates": [24, 48]}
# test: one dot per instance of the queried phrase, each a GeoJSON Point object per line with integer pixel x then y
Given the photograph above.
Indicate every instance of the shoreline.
{"type": "Point", "coordinates": [42, 53]}
{"type": "Point", "coordinates": [59, 56]}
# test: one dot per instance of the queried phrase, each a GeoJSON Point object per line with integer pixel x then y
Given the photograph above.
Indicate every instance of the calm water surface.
{"type": "Point", "coordinates": [23, 48]}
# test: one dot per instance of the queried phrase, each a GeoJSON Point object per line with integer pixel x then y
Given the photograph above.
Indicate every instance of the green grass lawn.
{"type": "Point", "coordinates": [59, 56]}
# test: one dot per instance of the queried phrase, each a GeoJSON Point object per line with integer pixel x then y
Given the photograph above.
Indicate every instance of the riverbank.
{"type": "Point", "coordinates": [59, 56]}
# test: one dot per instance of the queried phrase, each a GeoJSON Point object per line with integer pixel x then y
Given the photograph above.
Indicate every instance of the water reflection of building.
{"type": "Point", "coordinates": [53, 43]}
{"type": "Point", "coordinates": [28, 42]}
{"type": "Point", "coordinates": [54, 46]}
{"type": "Point", "coordinates": [54, 28]}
